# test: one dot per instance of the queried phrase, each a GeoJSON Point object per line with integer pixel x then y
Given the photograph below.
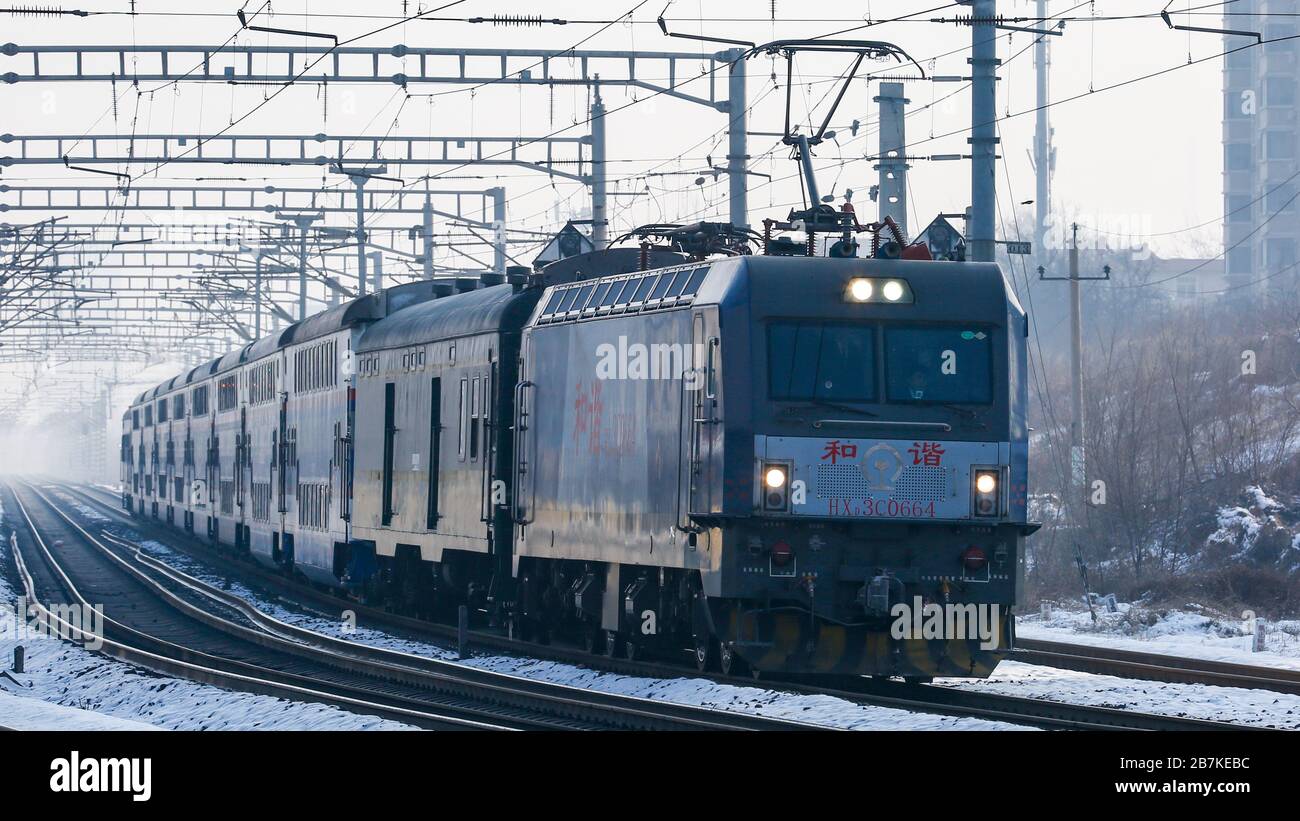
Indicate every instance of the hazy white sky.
{"type": "Point", "coordinates": [1142, 157]}
{"type": "Point", "coordinates": [1145, 155]}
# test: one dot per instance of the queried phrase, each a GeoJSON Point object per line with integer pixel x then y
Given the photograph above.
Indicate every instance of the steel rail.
{"type": "Point", "coordinates": [913, 697]}
{"type": "Point", "coordinates": [614, 709]}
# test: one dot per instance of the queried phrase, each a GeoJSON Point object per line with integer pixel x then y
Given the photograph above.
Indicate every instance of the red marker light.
{"type": "Point", "coordinates": [974, 558]}
{"type": "Point", "coordinates": [782, 553]}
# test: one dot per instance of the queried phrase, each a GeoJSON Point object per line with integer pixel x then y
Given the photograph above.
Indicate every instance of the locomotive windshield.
{"type": "Point", "coordinates": [816, 360]}
{"type": "Point", "coordinates": [938, 365]}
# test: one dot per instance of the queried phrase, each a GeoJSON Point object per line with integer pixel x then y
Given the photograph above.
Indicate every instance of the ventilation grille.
{"type": "Point", "coordinates": [919, 483]}
{"type": "Point", "coordinates": [840, 481]}
{"type": "Point", "coordinates": [916, 483]}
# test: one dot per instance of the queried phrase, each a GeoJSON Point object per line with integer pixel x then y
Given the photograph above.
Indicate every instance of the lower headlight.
{"type": "Point", "coordinates": [986, 495]}
{"type": "Point", "coordinates": [776, 486]}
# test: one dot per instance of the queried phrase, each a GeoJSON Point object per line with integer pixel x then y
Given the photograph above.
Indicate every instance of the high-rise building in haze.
{"type": "Point", "coordinates": [1261, 143]}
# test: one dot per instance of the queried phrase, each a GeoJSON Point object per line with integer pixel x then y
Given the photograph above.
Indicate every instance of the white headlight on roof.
{"type": "Point", "coordinates": [860, 289]}
{"type": "Point", "coordinates": [893, 290]}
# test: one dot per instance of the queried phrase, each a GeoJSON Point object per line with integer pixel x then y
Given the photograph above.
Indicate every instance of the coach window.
{"type": "Point", "coordinates": [462, 409]}
{"type": "Point", "coordinates": [473, 421]}
{"type": "Point", "coordinates": [390, 431]}
{"type": "Point", "coordinates": [435, 452]}
{"type": "Point", "coordinates": [483, 413]}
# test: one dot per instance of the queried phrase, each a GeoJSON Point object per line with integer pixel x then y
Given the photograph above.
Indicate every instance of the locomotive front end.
{"type": "Point", "coordinates": [884, 522]}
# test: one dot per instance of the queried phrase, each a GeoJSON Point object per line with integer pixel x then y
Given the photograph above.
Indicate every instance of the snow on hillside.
{"type": "Point", "coordinates": [1260, 529]}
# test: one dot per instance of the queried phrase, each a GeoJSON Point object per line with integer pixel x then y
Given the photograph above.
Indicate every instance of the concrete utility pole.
{"type": "Point", "coordinates": [599, 210]}
{"type": "Point", "coordinates": [499, 219]}
{"type": "Point", "coordinates": [303, 222]}
{"type": "Point", "coordinates": [1077, 460]}
{"type": "Point", "coordinates": [426, 226]}
{"type": "Point", "coordinates": [891, 193]}
{"type": "Point", "coordinates": [737, 148]}
{"type": "Point", "coordinates": [1076, 363]}
{"type": "Point", "coordinates": [1044, 155]}
{"type": "Point", "coordinates": [377, 263]}
{"type": "Point", "coordinates": [257, 299]}
{"type": "Point", "coordinates": [982, 241]}
{"type": "Point", "coordinates": [359, 176]}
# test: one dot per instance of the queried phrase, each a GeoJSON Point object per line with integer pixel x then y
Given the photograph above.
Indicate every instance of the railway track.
{"type": "Point", "coordinates": [162, 619]}
{"type": "Point", "coordinates": [913, 697]}
{"type": "Point", "coordinates": [1154, 666]}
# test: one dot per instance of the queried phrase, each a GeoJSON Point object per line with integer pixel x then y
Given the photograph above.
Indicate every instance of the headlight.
{"type": "Point", "coordinates": [867, 289]}
{"type": "Point", "coordinates": [860, 289]}
{"type": "Point", "coordinates": [986, 497]}
{"type": "Point", "coordinates": [776, 490]}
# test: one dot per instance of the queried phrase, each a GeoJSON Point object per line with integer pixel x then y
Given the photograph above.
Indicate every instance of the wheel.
{"type": "Point", "coordinates": [612, 643]}
{"type": "Point", "coordinates": [631, 650]}
{"type": "Point", "coordinates": [521, 627]}
{"type": "Point", "coordinates": [542, 632]}
{"type": "Point", "coordinates": [730, 662]}
{"type": "Point", "coordinates": [592, 641]}
{"type": "Point", "coordinates": [706, 654]}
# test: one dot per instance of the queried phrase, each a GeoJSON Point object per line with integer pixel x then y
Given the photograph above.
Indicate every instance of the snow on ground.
{"type": "Point", "coordinates": [1262, 708]}
{"type": "Point", "coordinates": [85, 510]}
{"type": "Point", "coordinates": [66, 674]}
{"type": "Point", "coordinates": [60, 673]}
{"type": "Point", "coordinates": [1012, 678]}
{"type": "Point", "coordinates": [1192, 633]}
{"type": "Point", "coordinates": [813, 709]}
{"type": "Point", "coordinates": [18, 712]}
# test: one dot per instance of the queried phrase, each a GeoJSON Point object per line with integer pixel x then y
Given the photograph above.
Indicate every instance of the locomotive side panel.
{"type": "Point", "coordinates": [605, 404]}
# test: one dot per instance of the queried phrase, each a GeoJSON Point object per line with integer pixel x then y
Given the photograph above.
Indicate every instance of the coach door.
{"type": "Point", "coordinates": [243, 462]}
{"type": "Point", "coordinates": [698, 485]}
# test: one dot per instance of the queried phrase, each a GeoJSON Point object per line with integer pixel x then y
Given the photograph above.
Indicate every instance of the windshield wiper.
{"type": "Point", "coordinates": [959, 410]}
{"type": "Point", "coordinates": [826, 403]}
